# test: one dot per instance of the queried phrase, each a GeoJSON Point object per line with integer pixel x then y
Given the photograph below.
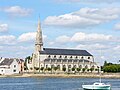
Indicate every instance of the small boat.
{"type": "Point", "coordinates": [97, 86]}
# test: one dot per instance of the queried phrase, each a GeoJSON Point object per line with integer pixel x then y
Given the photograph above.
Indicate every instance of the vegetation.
{"type": "Point", "coordinates": [79, 69]}
{"type": "Point", "coordinates": [91, 69]}
{"type": "Point", "coordinates": [110, 67]}
{"type": "Point", "coordinates": [64, 69]}
{"type": "Point", "coordinates": [27, 59]}
{"type": "Point", "coordinates": [83, 70]}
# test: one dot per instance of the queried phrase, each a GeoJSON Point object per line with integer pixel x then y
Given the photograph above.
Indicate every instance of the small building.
{"type": "Point", "coordinates": [9, 66]}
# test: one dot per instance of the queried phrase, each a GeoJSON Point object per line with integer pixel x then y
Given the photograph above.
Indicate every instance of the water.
{"type": "Point", "coordinates": [52, 83]}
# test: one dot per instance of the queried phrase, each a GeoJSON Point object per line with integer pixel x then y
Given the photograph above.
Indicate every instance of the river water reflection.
{"type": "Point", "coordinates": [52, 83]}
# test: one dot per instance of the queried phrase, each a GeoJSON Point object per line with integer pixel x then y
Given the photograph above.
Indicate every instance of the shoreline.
{"type": "Point", "coordinates": [108, 75]}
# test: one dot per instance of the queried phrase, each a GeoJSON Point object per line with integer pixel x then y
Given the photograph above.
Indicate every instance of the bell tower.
{"type": "Point", "coordinates": [38, 42]}
{"type": "Point", "coordinates": [38, 47]}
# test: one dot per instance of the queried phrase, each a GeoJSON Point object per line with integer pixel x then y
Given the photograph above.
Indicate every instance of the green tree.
{"type": "Point", "coordinates": [49, 69]}
{"type": "Point", "coordinates": [73, 69]}
{"type": "Point", "coordinates": [91, 69]}
{"type": "Point", "coordinates": [79, 69]}
{"type": "Point", "coordinates": [42, 68]}
{"type": "Point", "coordinates": [83, 70]}
{"type": "Point", "coordinates": [64, 69]}
{"type": "Point", "coordinates": [55, 68]}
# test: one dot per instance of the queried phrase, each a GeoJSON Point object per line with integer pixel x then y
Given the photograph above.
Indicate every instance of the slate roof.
{"type": "Point", "coordinates": [76, 52]}
{"type": "Point", "coordinates": [7, 61]}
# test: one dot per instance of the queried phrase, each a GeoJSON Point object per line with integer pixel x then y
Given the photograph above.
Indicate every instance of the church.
{"type": "Point", "coordinates": [59, 58]}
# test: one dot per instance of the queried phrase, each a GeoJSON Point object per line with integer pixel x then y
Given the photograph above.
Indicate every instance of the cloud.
{"type": "Point", "coordinates": [117, 47]}
{"type": "Point", "coordinates": [28, 37]}
{"type": "Point", "coordinates": [96, 46]}
{"type": "Point", "coordinates": [17, 11]}
{"type": "Point", "coordinates": [3, 27]}
{"type": "Point", "coordinates": [80, 36]}
{"type": "Point", "coordinates": [62, 39]}
{"type": "Point", "coordinates": [7, 39]}
{"type": "Point", "coordinates": [90, 37]}
{"type": "Point", "coordinates": [17, 51]}
{"type": "Point", "coordinates": [117, 26]}
{"type": "Point", "coordinates": [85, 17]}
{"type": "Point", "coordinates": [89, 1]}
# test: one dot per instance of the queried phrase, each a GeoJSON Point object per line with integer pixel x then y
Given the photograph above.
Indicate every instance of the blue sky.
{"type": "Point", "coordinates": [80, 24]}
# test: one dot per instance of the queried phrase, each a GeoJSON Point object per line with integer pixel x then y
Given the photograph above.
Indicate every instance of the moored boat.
{"type": "Point", "coordinates": [97, 86]}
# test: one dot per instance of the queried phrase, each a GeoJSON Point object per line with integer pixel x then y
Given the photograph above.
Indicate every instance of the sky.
{"type": "Point", "coordinates": [92, 25]}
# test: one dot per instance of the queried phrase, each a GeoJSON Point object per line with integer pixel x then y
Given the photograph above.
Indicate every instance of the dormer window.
{"type": "Point", "coordinates": [70, 56]}
{"type": "Point", "coordinates": [88, 57]}
{"type": "Point", "coordinates": [76, 57]}
{"type": "Point", "coordinates": [54, 56]}
{"type": "Point", "coordinates": [60, 57]}
{"type": "Point", "coordinates": [82, 57]}
{"type": "Point", "coordinates": [49, 56]}
{"type": "Point", "coordinates": [65, 56]}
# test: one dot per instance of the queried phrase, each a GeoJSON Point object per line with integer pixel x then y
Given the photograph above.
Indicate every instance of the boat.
{"type": "Point", "coordinates": [97, 86]}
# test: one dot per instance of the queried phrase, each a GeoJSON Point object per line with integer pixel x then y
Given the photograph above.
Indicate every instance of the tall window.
{"type": "Point", "coordinates": [14, 66]}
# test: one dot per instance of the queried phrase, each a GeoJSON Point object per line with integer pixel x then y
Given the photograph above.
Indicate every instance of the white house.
{"type": "Point", "coordinates": [10, 66]}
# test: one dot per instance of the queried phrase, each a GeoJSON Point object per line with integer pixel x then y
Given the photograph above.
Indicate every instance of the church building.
{"type": "Point", "coordinates": [60, 58]}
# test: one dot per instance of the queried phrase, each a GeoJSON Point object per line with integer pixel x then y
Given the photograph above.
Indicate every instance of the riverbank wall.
{"type": "Point", "coordinates": [83, 75]}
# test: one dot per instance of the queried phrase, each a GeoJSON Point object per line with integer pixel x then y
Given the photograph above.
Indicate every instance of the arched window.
{"type": "Point", "coordinates": [86, 67]}
{"type": "Point", "coordinates": [58, 66]}
{"type": "Point", "coordinates": [74, 66]}
{"type": "Point", "coordinates": [69, 66]}
{"type": "Point", "coordinates": [80, 66]}
{"type": "Point", "coordinates": [64, 66]}
{"type": "Point", "coordinates": [52, 66]}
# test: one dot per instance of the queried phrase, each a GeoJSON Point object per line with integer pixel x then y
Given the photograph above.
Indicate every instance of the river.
{"type": "Point", "coordinates": [52, 83]}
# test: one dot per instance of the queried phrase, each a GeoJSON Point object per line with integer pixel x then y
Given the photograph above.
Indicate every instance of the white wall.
{"type": "Point", "coordinates": [14, 68]}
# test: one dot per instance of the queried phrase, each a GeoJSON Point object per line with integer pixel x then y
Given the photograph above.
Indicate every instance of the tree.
{"type": "Point", "coordinates": [49, 69]}
{"type": "Point", "coordinates": [91, 69]}
{"type": "Point", "coordinates": [83, 70]}
{"type": "Point", "coordinates": [25, 63]}
{"type": "Point", "coordinates": [79, 69]}
{"type": "Point", "coordinates": [73, 69]}
{"type": "Point", "coordinates": [36, 68]}
{"type": "Point", "coordinates": [55, 68]}
{"type": "Point", "coordinates": [88, 70]}
{"type": "Point", "coordinates": [42, 68]}
{"type": "Point", "coordinates": [64, 69]}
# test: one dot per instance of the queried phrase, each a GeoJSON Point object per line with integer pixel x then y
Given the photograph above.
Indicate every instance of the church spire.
{"type": "Point", "coordinates": [39, 42]}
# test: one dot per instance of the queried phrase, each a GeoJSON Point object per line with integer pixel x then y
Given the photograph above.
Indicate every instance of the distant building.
{"type": "Point", "coordinates": [11, 66]}
{"type": "Point", "coordinates": [60, 58]}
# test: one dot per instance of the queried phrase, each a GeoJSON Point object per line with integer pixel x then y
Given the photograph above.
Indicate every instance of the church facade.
{"type": "Point", "coordinates": [59, 58]}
